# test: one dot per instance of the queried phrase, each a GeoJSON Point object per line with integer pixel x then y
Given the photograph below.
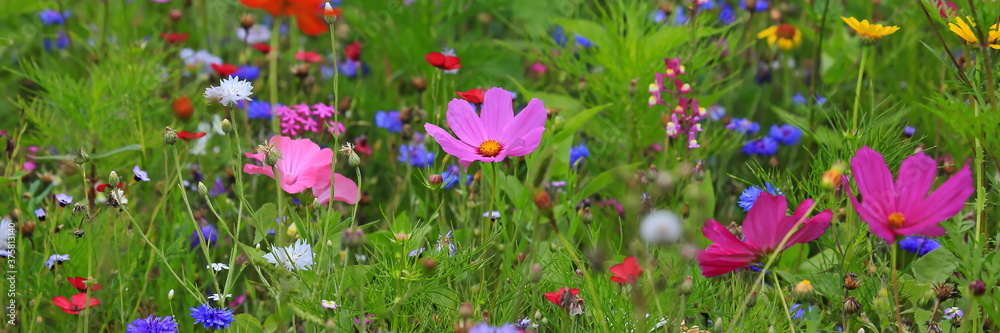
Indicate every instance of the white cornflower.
{"type": "Point", "coordinates": [258, 34]}
{"type": "Point", "coordinates": [217, 297]}
{"type": "Point", "coordinates": [217, 266]}
{"type": "Point", "coordinates": [660, 226]}
{"type": "Point", "coordinates": [56, 259]}
{"type": "Point", "coordinates": [298, 256]}
{"type": "Point", "coordinates": [117, 198]}
{"type": "Point", "coordinates": [200, 60]}
{"type": "Point", "coordinates": [493, 215]}
{"type": "Point", "coordinates": [230, 91]}
{"type": "Point", "coordinates": [329, 304]}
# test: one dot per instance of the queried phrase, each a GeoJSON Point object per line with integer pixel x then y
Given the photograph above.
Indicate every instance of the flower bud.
{"type": "Point", "coordinates": [687, 286]}
{"type": "Point", "coordinates": [169, 136]}
{"type": "Point", "coordinates": [535, 273]}
{"type": "Point", "coordinates": [946, 291]}
{"type": "Point", "coordinates": [170, 295]}
{"type": "Point", "coordinates": [202, 189]}
{"type": "Point", "coordinates": [435, 179]}
{"type": "Point", "coordinates": [852, 305]}
{"type": "Point", "coordinates": [330, 14]}
{"type": "Point", "coordinates": [247, 20]}
{"type": "Point", "coordinates": [429, 264]}
{"type": "Point", "coordinates": [977, 288]}
{"type": "Point", "coordinates": [271, 159]}
{"type": "Point", "coordinates": [227, 127]}
{"type": "Point", "coordinates": [804, 290]}
{"type": "Point", "coordinates": [81, 157]}
{"type": "Point", "coordinates": [543, 200]}
{"type": "Point", "coordinates": [353, 159]}
{"type": "Point", "coordinates": [465, 310]}
{"type": "Point", "coordinates": [113, 179]}
{"type": "Point", "coordinates": [419, 83]}
{"type": "Point", "coordinates": [175, 15]}
{"type": "Point", "coordinates": [851, 281]}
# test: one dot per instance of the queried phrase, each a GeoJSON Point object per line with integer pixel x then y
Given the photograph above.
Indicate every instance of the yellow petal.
{"type": "Point", "coordinates": [767, 32]}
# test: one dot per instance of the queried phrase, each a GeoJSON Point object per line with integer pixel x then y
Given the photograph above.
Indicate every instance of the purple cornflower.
{"type": "Point", "coordinates": [209, 232]}
{"type": "Point", "coordinates": [53, 17]}
{"type": "Point", "coordinates": [152, 324]}
{"type": "Point", "coordinates": [908, 131]}
{"type": "Point", "coordinates": [389, 120]}
{"type": "Point", "coordinates": [63, 199]}
{"type": "Point", "coordinates": [952, 312]}
{"type": "Point", "coordinates": [211, 317]}
{"type": "Point", "coordinates": [743, 126]}
{"type": "Point", "coordinates": [765, 146]}
{"type": "Point", "coordinates": [139, 174]}
{"type": "Point", "coordinates": [785, 134]}
{"type": "Point", "coordinates": [483, 327]}
{"type": "Point", "coordinates": [40, 214]}
{"type": "Point", "coordinates": [727, 15]}
{"type": "Point", "coordinates": [218, 188]}
{"type": "Point", "coordinates": [56, 259]}
{"type": "Point", "coordinates": [416, 155]}
{"type": "Point", "coordinates": [61, 41]}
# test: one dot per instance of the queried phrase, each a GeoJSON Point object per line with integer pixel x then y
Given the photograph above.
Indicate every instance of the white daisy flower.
{"type": "Point", "coordinates": [329, 304]}
{"type": "Point", "coordinates": [258, 34]}
{"type": "Point", "coordinates": [230, 91]}
{"type": "Point", "coordinates": [217, 266]}
{"type": "Point", "coordinates": [117, 198]}
{"type": "Point", "coordinates": [200, 60]}
{"type": "Point", "coordinates": [298, 256]}
{"type": "Point", "coordinates": [217, 297]}
{"type": "Point", "coordinates": [661, 227]}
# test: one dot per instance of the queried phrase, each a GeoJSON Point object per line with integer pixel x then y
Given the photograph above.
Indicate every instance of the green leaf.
{"type": "Point", "coordinates": [263, 220]}
{"type": "Point", "coordinates": [16, 176]}
{"type": "Point", "coordinates": [572, 125]}
{"type": "Point", "coordinates": [246, 323]}
{"type": "Point", "coordinates": [92, 157]}
{"type": "Point", "coordinates": [588, 29]}
{"type": "Point", "coordinates": [934, 267]}
{"type": "Point", "coordinates": [606, 178]}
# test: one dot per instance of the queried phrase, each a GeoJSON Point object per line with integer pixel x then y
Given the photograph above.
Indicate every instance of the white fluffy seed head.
{"type": "Point", "coordinates": [660, 227]}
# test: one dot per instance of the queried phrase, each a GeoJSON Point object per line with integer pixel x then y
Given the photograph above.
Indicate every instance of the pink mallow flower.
{"type": "Point", "coordinates": [344, 189]}
{"type": "Point", "coordinates": [903, 208]}
{"type": "Point", "coordinates": [763, 229]}
{"type": "Point", "coordinates": [495, 133]}
{"type": "Point", "coordinates": [302, 165]}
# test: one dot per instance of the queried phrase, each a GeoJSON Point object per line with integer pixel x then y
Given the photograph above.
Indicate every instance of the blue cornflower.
{"type": "Point", "coordinates": [218, 188]}
{"type": "Point", "coordinates": [659, 16]}
{"type": "Point", "coordinates": [727, 15]}
{"type": "Point", "coordinates": [759, 6]}
{"type": "Point", "coordinates": [248, 73]}
{"type": "Point", "coordinates": [680, 18]}
{"type": "Point", "coordinates": [908, 131]}
{"type": "Point", "coordinates": [578, 153]}
{"type": "Point", "coordinates": [707, 5]}
{"type": "Point", "coordinates": [61, 41]}
{"type": "Point", "coordinates": [389, 120]}
{"type": "Point", "coordinates": [799, 311]}
{"type": "Point", "coordinates": [716, 112]}
{"type": "Point", "coordinates": [349, 68]}
{"type": "Point", "coordinates": [451, 177]}
{"type": "Point", "coordinates": [919, 245]}
{"type": "Point", "coordinates": [210, 232]}
{"type": "Point", "coordinates": [785, 134]}
{"type": "Point", "coordinates": [560, 38]}
{"type": "Point", "coordinates": [582, 41]}
{"type": "Point", "coordinates": [416, 155]}
{"type": "Point", "coordinates": [743, 126]}
{"type": "Point", "coordinates": [56, 259]}
{"type": "Point", "coordinates": [765, 146]}
{"type": "Point", "coordinates": [750, 195]}
{"type": "Point", "coordinates": [152, 325]}
{"type": "Point", "coordinates": [800, 99]}
{"type": "Point", "coordinates": [53, 17]}
{"type": "Point", "coordinates": [259, 110]}
{"type": "Point", "coordinates": [211, 317]}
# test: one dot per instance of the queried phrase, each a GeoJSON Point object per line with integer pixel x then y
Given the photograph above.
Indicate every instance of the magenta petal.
{"type": "Point", "coordinates": [717, 260]}
{"type": "Point", "coordinates": [874, 181]}
{"type": "Point", "coordinates": [811, 229]}
{"type": "Point", "coordinates": [450, 145]}
{"type": "Point", "coordinates": [760, 223]}
{"type": "Point", "coordinates": [946, 201]}
{"type": "Point", "coordinates": [916, 175]}
{"type": "Point", "coordinates": [465, 122]}
{"type": "Point", "coordinates": [497, 111]}
{"type": "Point", "coordinates": [721, 235]}
{"type": "Point", "coordinates": [527, 144]}
{"type": "Point", "coordinates": [532, 117]}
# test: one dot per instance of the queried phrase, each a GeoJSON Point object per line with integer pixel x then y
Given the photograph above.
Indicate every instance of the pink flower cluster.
{"type": "Point", "coordinates": [685, 113]}
{"type": "Point", "coordinates": [299, 119]}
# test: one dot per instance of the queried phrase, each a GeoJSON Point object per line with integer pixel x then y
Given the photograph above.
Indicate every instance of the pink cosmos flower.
{"type": "Point", "coordinates": [763, 229]}
{"type": "Point", "coordinates": [495, 133]}
{"type": "Point", "coordinates": [301, 163]}
{"type": "Point", "coordinates": [903, 208]}
{"type": "Point", "coordinates": [344, 189]}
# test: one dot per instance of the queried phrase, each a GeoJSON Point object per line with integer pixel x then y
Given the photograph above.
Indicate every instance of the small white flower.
{"type": "Point", "coordinates": [218, 266]}
{"type": "Point", "coordinates": [170, 294]}
{"type": "Point", "coordinates": [329, 304]}
{"type": "Point", "coordinates": [258, 34]}
{"type": "Point", "coordinates": [298, 256]}
{"type": "Point", "coordinates": [117, 198]}
{"type": "Point", "coordinates": [493, 215]}
{"type": "Point", "coordinates": [230, 91]}
{"type": "Point", "coordinates": [660, 226]}
{"type": "Point", "coordinates": [217, 297]}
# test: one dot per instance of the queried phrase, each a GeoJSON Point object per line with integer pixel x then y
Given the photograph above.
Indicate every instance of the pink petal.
{"type": "Point", "coordinates": [879, 224]}
{"type": "Point", "coordinates": [527, 143]}
{"type": "Point", "coordinates": [721, 235]}
{"type": "Point", "coordinates": [466, 124]}
{"type": "Point", "coordinates": [465, 152]}
{"type": "Point", "coordinates": [811, 229]}
{"type": "Point", "coordinates": [760, 223]}
{"type": "Point", "coordinates": [258, 170]}
{"type": "Point", "coordinates": [497, 111]}
{"type": "Point", "coordinates": [946, 201]}
{"type": "Point", "coordinates": [344, 189]}
{"type": "Point", "coordinates": [532, 117]}
{"type": "Point", "coordinates": [717, 260]}
{"type": "Point", "coordinates": [874, 181]}
{"type": "Point", "coordinates": [916, 175]}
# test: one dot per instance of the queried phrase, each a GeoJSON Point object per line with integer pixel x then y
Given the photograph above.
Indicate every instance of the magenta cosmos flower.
{"type": "Point", "coordinates": [903, 208]}
{"type": "Point", "coordinates": [303, 165]}
{"type": "Point", "coordinates": [493, 134]}
{"type": "Point", "coordinates": [763, 229]}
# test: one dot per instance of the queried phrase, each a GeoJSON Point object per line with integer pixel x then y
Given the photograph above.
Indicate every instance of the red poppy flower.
{"type": "Point", "coordinates": [307, 12]}
{"type": "Point", "coordinates": [262, 47]}
{"type": "Point", "coordinates": [225, 70]}
{"type": "Point", "coordinates": [173, 37]}
{"type": "Point", "coordinates": [474, 96]}
{"type": "Point", "coordinates": [444, 62]}
{"type": "Point", "coordinates": [308, 56]}
{"type": "Point", "coordinates": [555, 297]}
{"type": "Point", "coordinates": [353, 51]}
{"type": "Point", "coordinates": [103, 187]}
{"type": "Point", "coordinates": [77, 283]}
{"type": "Point", "coordinates": [182, 108]}
{"type": "Point", "coordinates": [361, 145]}
{"type": "Point", "coordinates": [79, 302]}
{"type": "Point", "coordinates": [627, 271]}
{"type": "Point", "coordinates": [190, 135]}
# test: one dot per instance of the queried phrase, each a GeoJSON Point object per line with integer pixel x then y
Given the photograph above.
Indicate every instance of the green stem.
{"type": "Point", "coordinates": [590, 282]}
{"type": "Point", "coordinates": [354, 213]}
{"type": "Point", "coordinates": [895, 288]}
{"type": "Point", "coordinates": [784, 305]}
{"type": "Point", "coordinates": [857, 91]}
{"type": "Point", "coordinates": [272, 79]}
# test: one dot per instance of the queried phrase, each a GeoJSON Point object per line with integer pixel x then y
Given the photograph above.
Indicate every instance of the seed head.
{"type": "Point", "coordinates": [169, 136]}
{"type": "Point", "coordinates": [851, 281]}
{"type": "Point", "coordinates": [852, 305]}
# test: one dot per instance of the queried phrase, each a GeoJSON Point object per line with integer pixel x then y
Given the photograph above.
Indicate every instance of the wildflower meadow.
{"type": "Point", "coordinates": [500, 166]}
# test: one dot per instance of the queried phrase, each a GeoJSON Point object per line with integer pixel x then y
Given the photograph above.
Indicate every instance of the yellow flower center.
{"type": "Point", "coordinates": [489, 148]}
{"type": "Point", "coordinates": [896, 220]}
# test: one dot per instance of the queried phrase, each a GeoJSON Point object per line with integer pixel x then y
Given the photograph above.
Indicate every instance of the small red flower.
{"type": "Point", "coordinates": [361, 145]}
{"type": "Point", "coordinates": [353, 51]}
{"type": "Point", "coordinates": [262, 47]}
{"type": "Point", "coordinates": [555, 297]}
{"type": "Point", "coordinates": [627, 271]}
{"type": "Point", "coordinates": [77, 283]}
{"type": "Point", "coordinates": [225, 70]}
{"type": "Point", "coordinates": [79, 302]}
{"type": "Point", "coordinates": [183, 109]}
{"type": "Point", "coordinates": [173, 37]}
{"type": "Point", "coordinates": [443, 62]}
{"type": "Point", "coordinates": [308, 56]}
{"type": "Point", "coordinates": [190, 135]}
{"type": "Point", "coordinates": [103, 187]}
{"type": "Point", "coordinates": [474, 96]}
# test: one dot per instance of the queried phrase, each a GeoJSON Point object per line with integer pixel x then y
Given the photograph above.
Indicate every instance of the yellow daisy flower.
{"type": "Point", "coordinates": [870, 33]}
{"type": "Point", "coordinates": [787, 36]}
{"type": "Point", "coordinates": [965, 31]}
